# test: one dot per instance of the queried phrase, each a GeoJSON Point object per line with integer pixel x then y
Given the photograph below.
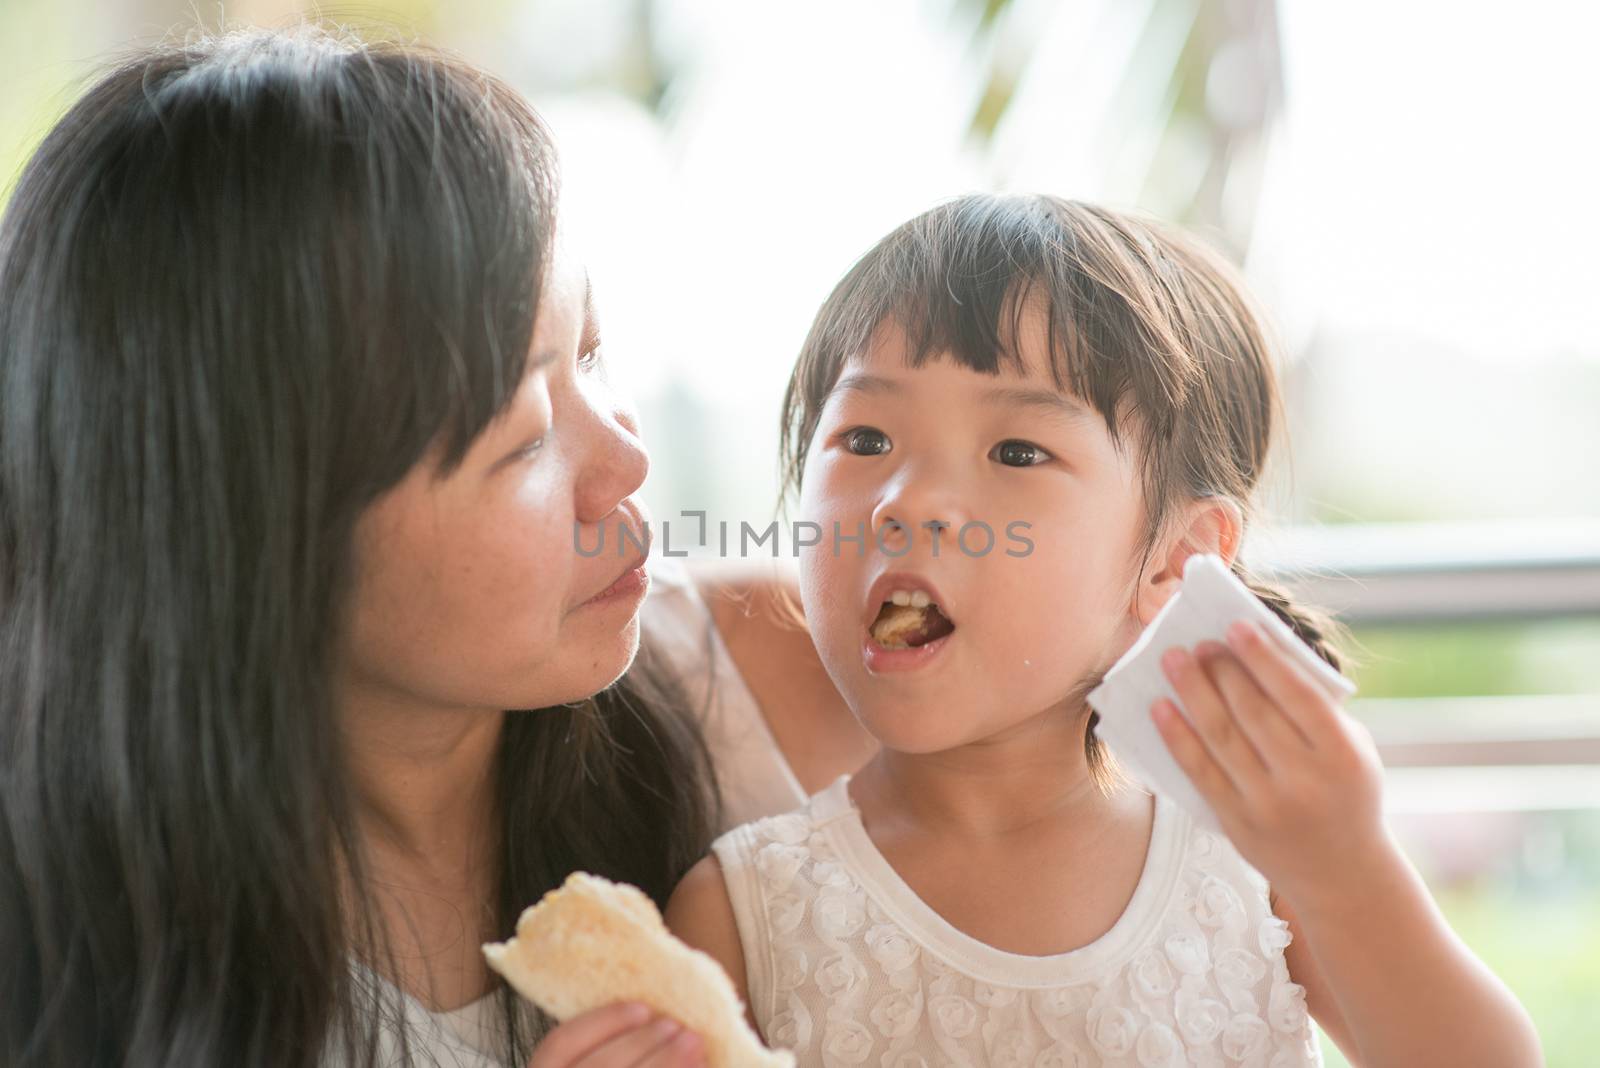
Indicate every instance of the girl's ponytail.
{"type": "Point", "coordinates": [1312, 626]}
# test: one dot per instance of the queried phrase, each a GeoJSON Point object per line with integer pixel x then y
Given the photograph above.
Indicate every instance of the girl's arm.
{"type": "Point", "coordinates": [1297, 786]}
{"type": "Point", "coordinates": [1320, 1000]}
{"type": "Point", "coordinates": [1388, 960]}
{"type": "Point", "coordinates": [700, 913]}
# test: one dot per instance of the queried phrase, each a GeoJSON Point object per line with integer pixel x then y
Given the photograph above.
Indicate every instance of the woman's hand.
{"type": "Point", "coordinates": [1294, 780]}
{"type": "Point", "coordinates": [622, 1035]}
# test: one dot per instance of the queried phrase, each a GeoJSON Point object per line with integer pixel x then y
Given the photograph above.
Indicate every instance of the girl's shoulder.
{"type": "Point", "coordinates": [800, 834]}
{"type": "Point", "coordinates": [773, 865]}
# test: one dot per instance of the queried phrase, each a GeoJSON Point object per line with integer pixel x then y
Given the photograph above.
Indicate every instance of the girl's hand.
{"type": "Point", "coordinates": [623, 1035]}
{"type": "Point", "coordinates": [1294, 780]}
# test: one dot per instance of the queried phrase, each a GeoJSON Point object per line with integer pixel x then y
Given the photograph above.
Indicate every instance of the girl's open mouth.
{"type": "Point", "coordinates": [910, 622]}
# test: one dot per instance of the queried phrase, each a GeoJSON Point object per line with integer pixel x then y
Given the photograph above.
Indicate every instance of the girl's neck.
{"type": "Point", "coordinates": [1008, 783]}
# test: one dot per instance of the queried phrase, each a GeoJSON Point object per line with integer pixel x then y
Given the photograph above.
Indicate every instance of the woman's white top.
{"type": "Point", "coordinates": [754, 778]}
{"type": "Point", "coordinates": [471, 1036]}
{"type": "Point", "coordinates": [846, 965]}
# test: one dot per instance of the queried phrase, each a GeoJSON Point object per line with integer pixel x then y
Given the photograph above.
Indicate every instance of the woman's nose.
{"type": "Point", "coordinates": [625, 416]}
{"type": "Point", "coordinates": [617, 464]}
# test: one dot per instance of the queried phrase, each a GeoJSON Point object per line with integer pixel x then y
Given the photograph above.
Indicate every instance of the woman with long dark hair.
{"type": "Point", "coordinates": [304, 692]}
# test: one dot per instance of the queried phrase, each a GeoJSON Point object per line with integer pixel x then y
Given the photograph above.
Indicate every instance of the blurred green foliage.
{"type": "Point", "coordinates": [1547, 952]}
{"type": "Point", "coordinates": [1540, 936]}
{"type": "Point", "coordinates": [1479, 659]}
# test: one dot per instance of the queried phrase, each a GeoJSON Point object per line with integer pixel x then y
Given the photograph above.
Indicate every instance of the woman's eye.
{"type": "Point", "coordinates": [1019, 454]}
{"type": "Point", "coordinates": [589, 345]}
{"type": "Point", "coordinates": [865, 441]}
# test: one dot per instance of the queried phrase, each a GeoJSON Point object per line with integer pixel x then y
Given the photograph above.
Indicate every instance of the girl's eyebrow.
{"type": "Point", "coordinates": [1047, 401]}
{"type": "Point", "coordinates": [865, 383]}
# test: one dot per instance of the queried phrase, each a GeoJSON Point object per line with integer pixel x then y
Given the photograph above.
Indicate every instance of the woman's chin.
{"type": "Point", "coordinates": [591, 665]}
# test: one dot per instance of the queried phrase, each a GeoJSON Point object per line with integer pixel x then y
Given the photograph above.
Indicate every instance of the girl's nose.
{"type": "Point", "coordinates": [920, 507]}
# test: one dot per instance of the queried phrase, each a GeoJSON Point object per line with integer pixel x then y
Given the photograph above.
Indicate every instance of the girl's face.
{"type": "Point", "coordinates": [944, 443]}
{"type": "Point", "coordinates": [469, 592]}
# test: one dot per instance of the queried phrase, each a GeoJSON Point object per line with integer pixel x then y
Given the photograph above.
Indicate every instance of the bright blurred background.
{"type": "Point", "coordinates": [1412, 185]}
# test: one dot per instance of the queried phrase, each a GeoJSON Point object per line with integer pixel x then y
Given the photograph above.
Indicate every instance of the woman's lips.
{"type": "Point", "coordinates": [630, 585]}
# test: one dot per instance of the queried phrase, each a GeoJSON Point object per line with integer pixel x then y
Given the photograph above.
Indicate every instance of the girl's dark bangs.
{"type": "Point", "coordinates": [961, 280]}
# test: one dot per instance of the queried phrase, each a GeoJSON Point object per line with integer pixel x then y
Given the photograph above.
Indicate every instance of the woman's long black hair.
{"type": "Point", "coordinates": [245, 283]}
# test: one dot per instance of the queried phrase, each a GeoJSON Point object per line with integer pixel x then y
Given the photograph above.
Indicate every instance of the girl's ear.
{"type": "Point", "coordinates": [1208, 525]}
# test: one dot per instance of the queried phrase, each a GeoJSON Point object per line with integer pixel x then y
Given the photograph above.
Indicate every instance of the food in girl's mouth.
{"type": "Point", "coordinates": [593, 942]}
{"type": "Point", "coordinates": [909, 620]}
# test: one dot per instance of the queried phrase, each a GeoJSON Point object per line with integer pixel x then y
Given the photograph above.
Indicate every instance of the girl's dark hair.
{"type": "Point", "coordinates": [1146, 324]}
{"type": "Point", "coordinates": [245, 284]}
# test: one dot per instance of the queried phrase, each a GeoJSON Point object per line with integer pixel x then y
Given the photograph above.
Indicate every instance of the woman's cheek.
{"type": "Point", "coordinates": [525, 558]}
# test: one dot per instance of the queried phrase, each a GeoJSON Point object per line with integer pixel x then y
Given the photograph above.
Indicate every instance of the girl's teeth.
{"type": "Point", "coordinates": [920, 599]}
{"type": "Point", "coordinates": [901, 598]}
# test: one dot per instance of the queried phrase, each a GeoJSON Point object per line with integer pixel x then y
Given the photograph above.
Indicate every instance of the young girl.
{"type": "Point", "coordinates": [987, 890]}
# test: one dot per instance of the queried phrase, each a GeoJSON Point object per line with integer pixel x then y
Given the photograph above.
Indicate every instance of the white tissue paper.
{"type": "Point", "coordinates": [1210, 600]}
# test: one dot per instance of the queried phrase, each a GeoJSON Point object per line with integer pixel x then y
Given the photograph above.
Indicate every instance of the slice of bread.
{"type": "Point", "coordinates": [896, 623]}
{"type": "Point", "coordinates": [594, 942]}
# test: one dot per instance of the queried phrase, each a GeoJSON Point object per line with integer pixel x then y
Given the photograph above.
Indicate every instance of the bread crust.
{"type": "Point", "coordinates": [593, 942]}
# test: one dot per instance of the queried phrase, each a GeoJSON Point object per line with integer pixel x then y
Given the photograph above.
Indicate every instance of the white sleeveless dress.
{"type": "Point", "coordinates": [847, 966]}
{"type": "Point", "coordinates": [754, 778]}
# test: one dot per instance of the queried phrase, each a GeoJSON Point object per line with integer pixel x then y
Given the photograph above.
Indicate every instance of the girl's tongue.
{"type": "Point", "coordinates": [906, 627]}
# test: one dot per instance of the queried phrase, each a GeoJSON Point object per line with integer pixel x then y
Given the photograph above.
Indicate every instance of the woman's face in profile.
{"type": "Point", "coordinates": [469, 591]}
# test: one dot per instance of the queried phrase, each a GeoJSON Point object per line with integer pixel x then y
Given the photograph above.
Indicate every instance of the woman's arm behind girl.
{"type": "Point", "coordinates": [1297, 784]}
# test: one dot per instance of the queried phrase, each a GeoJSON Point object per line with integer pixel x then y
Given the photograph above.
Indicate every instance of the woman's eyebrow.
{"type": "Point", "coordinates": [546, 357]}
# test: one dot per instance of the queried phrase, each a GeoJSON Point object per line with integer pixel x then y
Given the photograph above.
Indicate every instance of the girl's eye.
{"type": "Point", "coordinates": [865, 441]}
{"type": "Point", "coordinates": [1019, 454]}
